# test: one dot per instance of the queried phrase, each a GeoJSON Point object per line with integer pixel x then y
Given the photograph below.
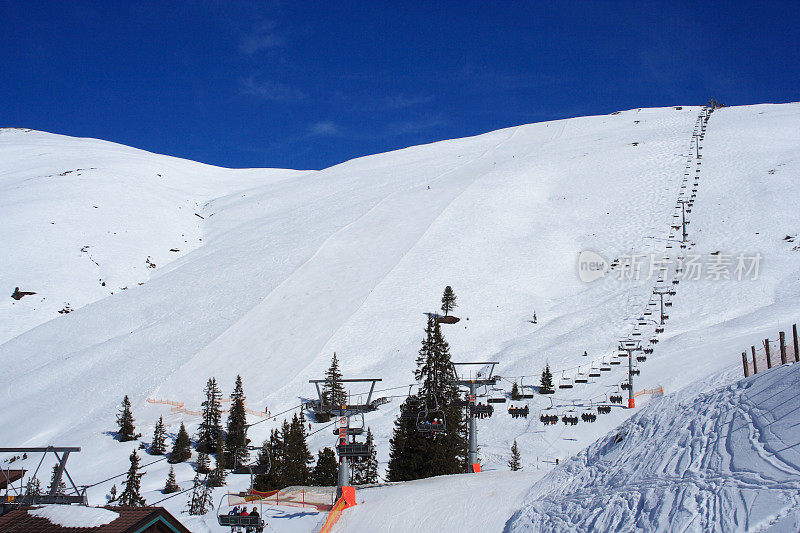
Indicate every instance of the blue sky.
{"type": "Point", "coordinates": [311, 84]}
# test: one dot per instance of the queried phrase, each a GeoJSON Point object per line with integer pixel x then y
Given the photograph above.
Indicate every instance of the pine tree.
{"type": "Point", "coordinates": [203, 463]}
{"type": "Point", "coordinates": [130, 497]}
{"type": "Point", "coordinates": [201, 500]}
{"type": "Point", "coordinates": [112, 494]}
{"type": "Point", "coordinates": [448, 300]}
{"type": "Point", "coordinates": [271, 455]}
{"type": "Point", "coordinates": [125, 422]}
{"type": "Point", "coordinates": [326, 471]}
{"type": "Point", "coordinates": [157, 446]}
{"type": "Point", "coordinates": [296, 455]}
{"type": "Point", "coordinates": [412, 455]}
{"type": "Point", "coordinates": [33, 487]}
{"type": "Point", "coordinates": [210, 426]}
{"type": "Point", "coordinates": [217, 476]}
{"type": "Point", "coordinates": [181, 449]}
{"type": "Point", "coordinates": [333, 392]}
{"type": "Point", "coordinates": [236, 440]}
{"type": "Point", "coordinates": [365, 471]}
{"type": "Point", "coordinates": [546, 383]}
{"type": "Point", "coordinates": [514, 462]}
{"type": "Point", "coordinates": [171, 485]}
{"type": "Point", "coordinates": [515, 391]}
{"type": "Point", "coordinates": [61, 485]}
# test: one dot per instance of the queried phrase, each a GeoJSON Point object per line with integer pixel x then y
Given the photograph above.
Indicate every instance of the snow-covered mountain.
{"type": "Point", "coordinates": [277, 269]}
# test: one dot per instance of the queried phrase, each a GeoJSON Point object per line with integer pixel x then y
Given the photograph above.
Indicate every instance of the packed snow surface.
{"type": "Point", "coordinates": [275, 270]}
{"type": "Point", "coordinates": [74, 515]}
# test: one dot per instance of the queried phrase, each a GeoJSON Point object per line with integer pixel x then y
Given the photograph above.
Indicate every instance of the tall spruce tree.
{"type": "Point", "coordinates": [130, 497]}
{"type": "Point", "coordinates": [297, 457]}
{"type": "Point", "coordinates": [271, 455]}
{"type": "Point", "coordinates": [514, 463]}
{"type": "Point", "coordinates": [365, 471]}
{"type": "Point", "coordinates": [236, 440]}
{"type": "Point", "coordinates": [333, 392]}
{"type": "Point", "coordinates": [515, 391]}
{"type": "Point", "coordinates": [546, 383]}
{"type": "Point", "coordinates": [217, 476]}
{"type": "Point", "coordinates": [203, 465]}
{"type": "Point", "coordinates": [157, 446]}
{"type": "Point", "coordinates": [210, 426]}
{"type": "Point", "coordinates": [61, 485]}
{"type": "Point", "coordinates": [181, 448]}
{"type": "Point", "coordinates": [413, 455]}
{"type": "Point", "coordinates": [326, 471]}
{"type": "Point", "coordinates": [125, 421]}
{"type": "Point", "coordinates": [448, 300]}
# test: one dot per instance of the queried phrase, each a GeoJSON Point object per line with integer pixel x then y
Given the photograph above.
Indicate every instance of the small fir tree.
{"type": "Point", "coordinates": [181, 448]}
{"type": "Point", "coordinates": [514, 462]}
{"type": "Point", "coordinates": [125, 421]}
{"type": "Point", "coordinates": [112, 494]}
{"type": "Point", "coordinates": [158, 446]}
{"type": "Point", "coordinates": [514, 391]}
{"type": "Point", "coordinates": [33, 487]}
{"type": "Point", "coordinates": [236, 440]}
{"type": "Point", "coordinates": [448, 300]}
{"type": "Point", "coordinates": [201, 500]}
{"type": "Point", "coordinates": [130, 497]}
{"type": "Point", "coordinates": [210, 426]}
{"type": "Point", "coordinates": [546, 383]}
{"type": "Point", "coordinates": [171, 485]}
{"type": "Point", "coordinates": [326, 471]}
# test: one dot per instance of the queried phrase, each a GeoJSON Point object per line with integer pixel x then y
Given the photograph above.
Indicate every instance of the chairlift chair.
{"type": "Point", "coordinates": [570, 417]}
{"type": "Point", "coordinates": [238, 523]}
{"type": "Point", "coordinates": [431, 422]}
{"type": "Point", "coordinates": [642, 358]}
{"type": "Point", "coordinates": [594, 372]}
{"type": "Point", "coordinates": [604, 367]}
{"type": "Point", "coordinates": [564, 382]}
{"type": "Point", "coordinates": [581, 377]}
{"type": "Point", "coordinates": [588, 415]}
{"type": "Point", "coordinates": [549, 415]}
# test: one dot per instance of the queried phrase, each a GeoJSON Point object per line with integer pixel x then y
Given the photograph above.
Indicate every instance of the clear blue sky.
{"type": "Point", "coordinates": [311, 84]}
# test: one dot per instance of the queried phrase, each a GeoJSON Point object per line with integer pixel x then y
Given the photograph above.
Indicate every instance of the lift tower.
{"type": "Point", "coordinates": [630, 346]}
{"type": "Point", "coordinates": [661, 292]}
{"type": "Point", "coordinates": [482, 378]}
{"type": "Point", "coordinates": [347, 447]}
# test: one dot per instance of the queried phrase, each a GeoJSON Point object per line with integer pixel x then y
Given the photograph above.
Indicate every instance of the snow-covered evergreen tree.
{"type": "Point", "coordinates": [236, 439]}
{"type": "Point", "coordinates": [171, 485]}
{"type": "Point", "coordinates": [514, 462]}
{"type": "Point", "coordinates": [210, 426]}
{"type": "Point", "coordinates": [448, 300]}
{"type": "Point", "coordinates": [125, 420]}
{"type": "Point", "coordinates": [158, 446]}
{"type": "Point", "coordinates": [181, 448]}
{"type": "Point", "coordinates": [131, 497]}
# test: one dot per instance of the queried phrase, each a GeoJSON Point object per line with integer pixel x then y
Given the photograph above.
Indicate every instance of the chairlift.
{"type": "Point", "coordinates": [594, 372]}
{"type": "Point", "coordinates": [603, 409]}
{"type": "Point", "coordinates": [660, 329]}
{"type": "Point", "coordinates": [635, 371]}
{"type": "Point", "coordinates": [625, 385]}
{"type": "Point", "coordinates": [431, 422]}
{"type": "Point", "coordinates": [643, 358]}
{"type": "Point", "coordinates": [570, 417]}
{"type": "Point", "coordinates": [588, 414]}
{"type": "Point", "coordinates": [519, 412]}
{"type": "Point", "coordinates": [667, 304]}
{"type": "Point", "coordinates": [615, 362]}
{"type": "Point", "coordinates": [564, 382]}
{"type": "Point", "coordinates": [549, 415]}
{"type": "Point", "coordinates": [604, 367]}
{"type": "Point", "coordinates": [581, 377]}
{"type": "Point", "coordinates": [654, 340]}
{"type": "Point", "coordinates": [522, 394]}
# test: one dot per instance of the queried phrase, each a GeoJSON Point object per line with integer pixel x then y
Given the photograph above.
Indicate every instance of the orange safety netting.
{"type": "Point", "coordinates": [292, 497]}
{"type": "Point", "coordinates": [655, 392]}
{"type": "Point", "coordinates": [348, 499]}
{"type": "Point", "coordinates": [179, 408]}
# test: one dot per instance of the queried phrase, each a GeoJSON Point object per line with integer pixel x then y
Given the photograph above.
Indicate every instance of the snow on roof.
{"type": "Point", "coordinates": [75, 515]}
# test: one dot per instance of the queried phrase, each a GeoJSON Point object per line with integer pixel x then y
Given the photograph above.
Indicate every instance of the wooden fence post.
{"type": "Point", "coordinates": [755, 365]}
{"type": "Point", "coordinates": [766, 350]}
{"type": "Point", "coordinates": [783, 348]}
{"type": "Point", "coordinates": [744, 363]}
{"type": "Point", "coordinates": [796, 351]}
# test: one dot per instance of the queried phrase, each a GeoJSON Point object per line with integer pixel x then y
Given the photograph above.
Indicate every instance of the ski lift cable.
{"type": "Point", "coordinates": [122, 474]}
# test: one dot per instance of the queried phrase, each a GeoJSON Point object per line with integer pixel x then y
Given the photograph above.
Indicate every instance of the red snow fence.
{"type": "Point", "coordinates": [771, 352]}
{"type": "Point", "coordinates": [348, 499]}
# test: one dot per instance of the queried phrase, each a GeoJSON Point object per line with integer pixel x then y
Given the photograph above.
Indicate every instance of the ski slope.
{"type": "Point", "coordinates": [293, 266]}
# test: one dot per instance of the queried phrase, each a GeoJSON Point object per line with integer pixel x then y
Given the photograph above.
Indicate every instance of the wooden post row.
{"type": "Point", "coordinates": [766, 349]}
{"type": "Point", "coordinates": [755, 365]}
{"type": "Point", "coordinates": [783, 348]}
{"type": "Point", "coordinates": [744, 364]}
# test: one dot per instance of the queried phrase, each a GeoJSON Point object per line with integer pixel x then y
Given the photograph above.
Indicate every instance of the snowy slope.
{"type": "Point", "coordinates": [294, 266]}
{"type": "Point", "coordinates": [726, 460]}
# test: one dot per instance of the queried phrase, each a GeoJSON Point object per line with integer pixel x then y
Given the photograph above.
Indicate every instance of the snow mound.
{"type": "Point", "coordinates": [74, 515]}
{"type": "Point", "coordinates": [726, 460]}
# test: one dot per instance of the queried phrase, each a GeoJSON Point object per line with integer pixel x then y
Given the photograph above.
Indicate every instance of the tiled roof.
{"type": "Point", "coordinates": [131, 519]}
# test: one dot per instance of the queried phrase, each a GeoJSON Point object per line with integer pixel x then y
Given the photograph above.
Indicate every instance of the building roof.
{"type": "Point", "coordinates": [130, 520]}
{"type": "Point", "coordinates": [10, 476]}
